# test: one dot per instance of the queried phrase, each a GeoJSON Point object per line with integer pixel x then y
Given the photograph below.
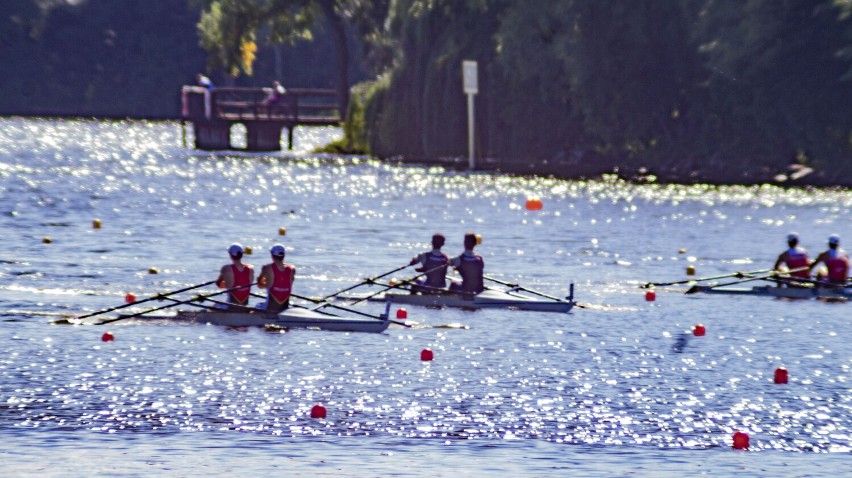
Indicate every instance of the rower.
{"type": "Point", "coordinates": [430, 263]}
{"type": "Point", "coordinates": [836, 261]}
{"type": "Point", "coordinates": [277, 278]}
{"type": "Point", "coordinates": [795, 258]}
{"type": "Point", "coordinates": [236, 274]}
{"type": "Point", "coordinates": [471, 266]}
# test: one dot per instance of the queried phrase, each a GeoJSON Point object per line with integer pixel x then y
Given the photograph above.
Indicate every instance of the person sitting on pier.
{"type": "Point", "coordinates": [204, 82]}
{"type": "Point", "coordinates": [236, 275]}
{"type": "Point", "coordinates": [430, 263]}
{"type": "Point", "coordinates": [274, 97]}
{"type": "Point", "coordinates": [795, 258]}
{"type": "Point", "coordinates": [836, 261]}
{"type": "Point", "coordinates": [471, 266]}
{"type": "Point", "coordinates": [277, 278]}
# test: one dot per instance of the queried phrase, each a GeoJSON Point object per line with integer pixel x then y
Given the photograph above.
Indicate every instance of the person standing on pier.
{"type": "Point", "coordinates": [237, 277]}
{"type": "Point", "coordinates": [836, 261]}
{"type": "Point", "coordinates": [277, 278]}
{"type": "Point", "coordinates": [204, 82]}
{"type": "Point", "coordinates": [470, 266]}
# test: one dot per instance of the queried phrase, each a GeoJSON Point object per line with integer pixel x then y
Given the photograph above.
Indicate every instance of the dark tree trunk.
{"type": "Point", "coordinates": [338, 33]}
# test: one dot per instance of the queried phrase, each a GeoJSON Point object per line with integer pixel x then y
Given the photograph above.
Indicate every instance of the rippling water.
{"type": "Point", "coordinates": [618, 386]}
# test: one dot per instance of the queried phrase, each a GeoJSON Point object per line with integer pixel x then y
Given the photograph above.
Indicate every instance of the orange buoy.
{"type": "Point", "coordinates": [153, 270]}
{"type": "Point", "coordinates": [130, 298]}
{"type": "Point", "coordinates": [741, 441]}
{"type": "Point", "coordinates": [699, 331]}
{"type": "Point", "coordinates": [681, 251]}
{"type": "Point", "coordinates": [96, 224]}
{"type": "Point", "coordinates": [690, 270]}
{"type": "Point", "coordinates": [534, 204]}
{"type": "Point", "coordinates": [650, 296]}
{"type": "Point", "coordinates": [247, 250]}
{"type": "Point", "coordinates": [46, 240]}
{"type": "Point", "coordinates": [318, 411]}
{"type": "Point", "coordinates": [282, 231]}
{"type": "Point", "coordinates": [781, 375]}
{"type": "Point", "coordinates": [426, 355]}
{"type": "Point", "coordinates": [478, 239]}
{"type": "Point", "coordinates": [107, 337]}
{"type": "Point", "coordinates": [401, 313]}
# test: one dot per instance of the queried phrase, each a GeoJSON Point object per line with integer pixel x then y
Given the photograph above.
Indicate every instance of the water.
{"type": "Point", "coordinates": [617, 387]}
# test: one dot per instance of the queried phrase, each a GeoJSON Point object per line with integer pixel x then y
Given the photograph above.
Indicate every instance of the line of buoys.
{"type": "Point", "coordinates": [650, 296]}
{"type": "Point", "coordinates": [534, 204]}
{"type": "Point", "coordinates": [401, 313]}
{"type": "Point", "coordinates": [699, 330]}
{"type": "Point", "coordinates": [107, 337]}
{"type": "Point", "coordinates": [426, 355]}
{"type": "Point", "coordinates": [740, 440]}
{"type": "Point", "coordinates": [781, 375]}
{"type": "Point", "coordinates": [318, 411]}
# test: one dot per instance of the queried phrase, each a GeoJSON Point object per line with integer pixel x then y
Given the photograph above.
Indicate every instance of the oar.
{"type": "Point", "coordinates": [774, 273]}
{"type": "Point", "coordinates": [793, 280]}
{"type": "Point", "coordinates": [156, 297]}
{"type": "Point", "coordinates": [198, 298]}
{"type": "Point", "coordinates": [368, 280]}
{"type": "Point", "coordinates": [324, 303]}
{"type": "Point", "coordinates": [534, 292]}
{"type": "Point", "coordinates": [397, 286]}
{"type": "Point", "coordinates": [735, 274]}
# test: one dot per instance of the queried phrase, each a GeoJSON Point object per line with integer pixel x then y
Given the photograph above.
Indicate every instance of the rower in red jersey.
{"type": "Point", "coordinates": [277, 278]}
{"type": "Point", "coordinates": [236, 274]}
{"type": "Point", "coordinates": [795, 258]}
{"type": "Point", "coordinates": [470, 266]}
{"type": "Point", "coordinates": [836, 261]}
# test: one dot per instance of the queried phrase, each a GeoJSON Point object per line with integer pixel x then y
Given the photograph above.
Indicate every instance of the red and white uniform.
{"type": "Point", "coordinates": [797, 258]}
{"type": "Point", "coordinates": [837, 263]}
{"type": "Point", "coordinates": [282, 284]}
{"type": "Point", "coordinates": [241, 278]}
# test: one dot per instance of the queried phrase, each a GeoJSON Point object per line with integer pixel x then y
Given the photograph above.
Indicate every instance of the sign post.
{"type": "Point", "coordinates": [471, 88]}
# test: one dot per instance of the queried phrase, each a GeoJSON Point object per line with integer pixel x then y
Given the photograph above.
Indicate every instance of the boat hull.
{"type": "Point", "coordinates": [780, 292]}
{"type": "Point", "coordinates": [487, 299]}
{"type": "Point", "coordinates": [290, 318]}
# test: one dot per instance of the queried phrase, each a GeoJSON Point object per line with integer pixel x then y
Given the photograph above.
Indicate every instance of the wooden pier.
{"type": "Point", "coordinates": [213, 112]}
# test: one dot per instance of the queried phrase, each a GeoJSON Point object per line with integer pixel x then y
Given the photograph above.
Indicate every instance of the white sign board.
{"type": "Point", "coordinates": [471, 80]}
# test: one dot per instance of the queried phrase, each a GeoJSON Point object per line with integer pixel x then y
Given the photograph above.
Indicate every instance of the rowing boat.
{"type": "Point", "coordinates": [780, 292]}
{"type": "Point", "coordinates": [487, 299]}
{"type": "Point", "coordinates": [299, 318]}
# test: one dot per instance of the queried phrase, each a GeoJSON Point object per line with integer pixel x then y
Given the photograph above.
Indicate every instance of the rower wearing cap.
{"type": "Point", "coordinates": [795, 258]}
{"type": "Point", "coordinates": [236, 275]}
{"type": "Point", "coordinates": [277, 278]}
{"type": "Point", "coordinates": [836, 261]}
{"type": "Point", "coordinates": [430, 263]}
{"type": "Point", "coordinates": [471, 266]}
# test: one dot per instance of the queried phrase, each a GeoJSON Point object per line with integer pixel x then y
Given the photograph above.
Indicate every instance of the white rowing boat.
{"type": "Point", "coordinates": [487, 299]}
{"type": "Point", "coordinates": [299, 318]}
{"type": "Point", "coordinates": [780, 292]}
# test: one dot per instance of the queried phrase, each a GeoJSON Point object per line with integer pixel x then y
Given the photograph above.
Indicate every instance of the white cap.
{"type": "Point", "coordinates": [792, 237]}
{"type": "Point", "coordinates": [278, 250]}
{"type": "Point", "coordinates": [834, 239]}
{"type": "Point", "coordinates": [235, 249]}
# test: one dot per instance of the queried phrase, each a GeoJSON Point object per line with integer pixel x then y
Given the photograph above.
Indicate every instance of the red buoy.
{"type": "Point", "coordinates": [130, 298]}
{"type": "Point", "coordinates": [534, 204]}
{"type": "Point", "coordinates": [401, 313]}
{"type": "Point", "coordinates": [699, 330]}
{"type": "Point", "coordinates": [650, 296]}
{"type": "Point", "coordinates": [107, 337]}
{"type": "Point", "coordinates": [318, 411]}
{"type": "Point", "coordinates": [781, 375]}
{"type": "Point", "coordinates": [426, 355]}
{"type": "Point", "coordinates": [740, 441]}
